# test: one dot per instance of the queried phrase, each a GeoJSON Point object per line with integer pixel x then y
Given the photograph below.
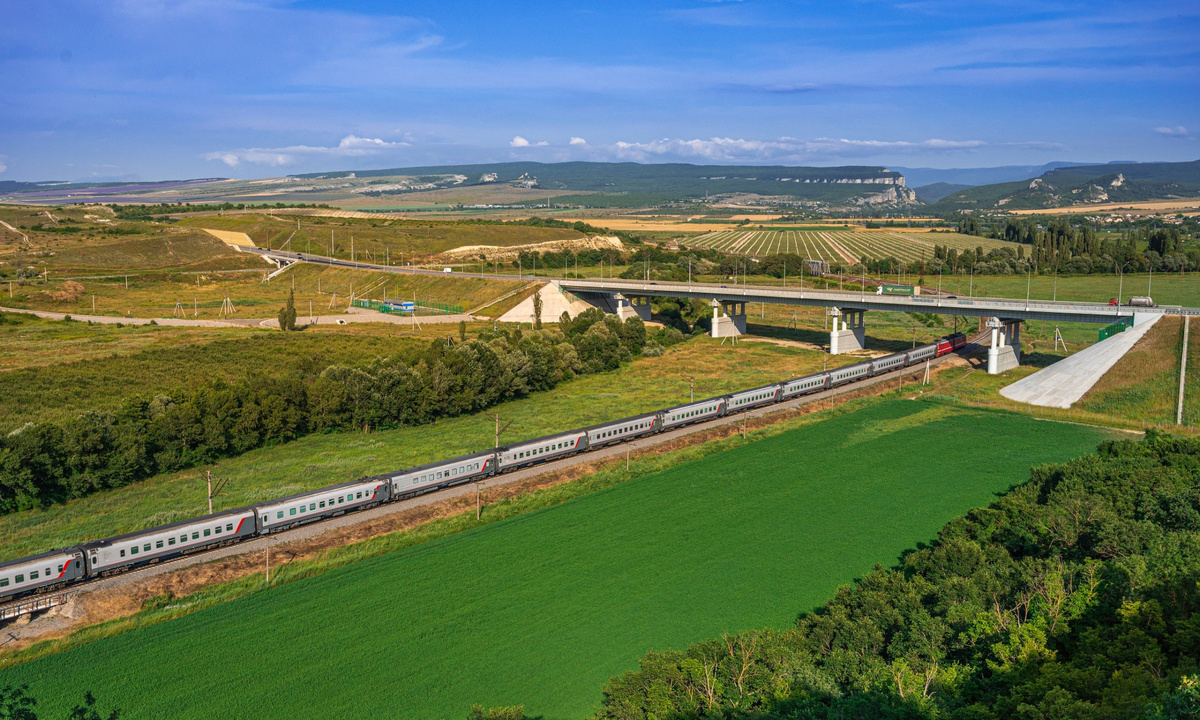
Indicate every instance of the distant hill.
{"type": "Point", "coordinates": [936, 191]}
{"type": "Point", "coordinates": [667, 181]}
{"type": "Point", "coordinates": [970, 177]}
{"type": "Point", "coordinates": [1065, 186]}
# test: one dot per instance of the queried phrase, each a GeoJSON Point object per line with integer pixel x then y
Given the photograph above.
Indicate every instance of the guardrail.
{"type": "Point", "coordinates": [32, 605]}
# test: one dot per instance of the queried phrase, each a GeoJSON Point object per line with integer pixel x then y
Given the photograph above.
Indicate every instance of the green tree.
{"type": "Point", "coordinates": [537, 309]}
{"type": "Point", "coordinates": [287, 314]}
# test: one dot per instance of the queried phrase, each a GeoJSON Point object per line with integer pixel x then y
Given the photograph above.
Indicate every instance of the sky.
{"type": "Point", "coordinates": [165, 89]}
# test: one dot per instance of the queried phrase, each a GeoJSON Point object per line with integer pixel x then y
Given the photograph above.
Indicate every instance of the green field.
{"type": "Point", "coordinates": [540, 609]}
{"type": "Point", "coordinates": [1165, 288]}
{"type": "Point", "coordinates": [318, 460]}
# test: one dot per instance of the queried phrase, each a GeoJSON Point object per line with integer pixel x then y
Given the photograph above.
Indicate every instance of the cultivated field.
{"type": "Point", "coordinates": [541, 608]}
{"type": "Point", "coordinates": [838, 246]}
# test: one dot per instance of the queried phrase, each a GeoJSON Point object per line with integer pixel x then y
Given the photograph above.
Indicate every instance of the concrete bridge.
{"type": "Point", "coordinates": [846, 309]}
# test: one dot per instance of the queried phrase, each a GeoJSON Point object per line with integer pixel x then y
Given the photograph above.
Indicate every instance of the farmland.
{"type": "Point", "coordinates": [543, 607]}
{"type": "Point", "coordinates": [838, 246]}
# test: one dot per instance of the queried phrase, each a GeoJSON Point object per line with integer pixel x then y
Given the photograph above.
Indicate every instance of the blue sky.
{"type": "Point", "coordinates": [156, 89]}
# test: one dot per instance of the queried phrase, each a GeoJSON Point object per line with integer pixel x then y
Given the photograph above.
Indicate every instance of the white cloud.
{"type": "Point", "coordinates": [349, 146]}
{"type": "Point", "coordinates": [1178, 131]}
{"type": "Point", "coordinates": [518, 141]}
{"type": "Point", "coordinates": [578, 141]}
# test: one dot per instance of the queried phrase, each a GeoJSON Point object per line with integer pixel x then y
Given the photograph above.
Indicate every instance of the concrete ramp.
{"type": "Point", "coordinates": [1067, 380]}
{"type": "Point", "coordinates": [236, 240]}
{"type": "Point", "coordinates": [554, 303]}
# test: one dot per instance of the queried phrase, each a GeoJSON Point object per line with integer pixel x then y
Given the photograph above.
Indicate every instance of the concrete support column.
{"type": "Point", "coordinates": [637, 305]}
{"type": "Point", "coordinates": [1005, 353]}
{"type": "Point", "coordinates": [729, 318]}
{"type": "Point", "coordinates": [849, 331]}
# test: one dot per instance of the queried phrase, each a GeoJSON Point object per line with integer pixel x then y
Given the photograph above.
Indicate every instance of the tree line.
{"type": "Point", "coordinates": [1074, 596]}
{"type": "Point", "coordinates": [51, 462]}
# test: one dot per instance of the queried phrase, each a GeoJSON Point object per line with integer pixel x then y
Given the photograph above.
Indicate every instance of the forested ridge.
{"type": "Point", "coordinates": [46, 463]}
{"type": "Point", "coordinates": [1074, 596]}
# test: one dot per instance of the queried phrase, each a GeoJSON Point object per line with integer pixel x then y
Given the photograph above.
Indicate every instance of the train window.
{"type": "Point", "coordinates": [359, 495]}
{"type": "Point", "coordinates": [133, 550]}
{"type": "Point", "coordinates": [278, 514]}
{"type": "Point", "coordinates": [60, 567]}
{"type": "Point", "coordinates": [196, 535]}
{"type": "Point", "coordinates": [292, 511]}
{"type": "Point", "coordinates": [146, 547]}
{"type": "Point", "coordinates": [170, 541]}
{"type": "Point", "coordinates": [20, 578]}
{"type": "Point", "coordinates": [3, 582]}
{"type": "Point", "coordinates": [122, 553]}
{"type": "Point", "coordinates": [312, 506]}
{"type": "Point", "coordinates": [33, 575]}
{"type": "Point", "coordinates": [158, 544]}
{"type": "Point", "coordinates": [206, 532]}
{"type": "Point", "coordinates": [229, 527]}
{"type": "Point", "coordinates": [76, 564]}
{"type": "Point", "coordinates": [341, 499]}
{"type": "Point", "coordinates": [321, 504]}
{"type": "Point", "coordinates": [183, 538]}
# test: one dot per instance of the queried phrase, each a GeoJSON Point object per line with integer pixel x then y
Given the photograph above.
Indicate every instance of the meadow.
{"type": "Point", "coordinates": [540, 609]}
{"type": "Point", "coordinates": [318, 460]}
{"type": "Point", "coordinates": [200, 295]}
{"type": "Point", "coordinates": [1144, 384]}
{"type": "Point", "coordinates": [396, 239]}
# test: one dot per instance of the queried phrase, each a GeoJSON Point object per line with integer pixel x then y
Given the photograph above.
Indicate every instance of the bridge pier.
{"type": "Point", "coordinates": [849, 331]}
{"type": "Point", "coordinates": [730, 324]}
{"type": "Point", "coordinates": [1005, 351]}
{"type": "Point", "coordinates": [631, 305]}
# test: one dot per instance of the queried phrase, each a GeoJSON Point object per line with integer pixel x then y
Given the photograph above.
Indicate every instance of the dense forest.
{"type": "Point", "coordinates": [1074, 596]}
{"type": "Point", "coordinates": [45, 463]}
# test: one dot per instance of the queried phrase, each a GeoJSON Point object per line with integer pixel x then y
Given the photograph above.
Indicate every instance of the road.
{"type": "Point", "coordinates": [1007, 308]}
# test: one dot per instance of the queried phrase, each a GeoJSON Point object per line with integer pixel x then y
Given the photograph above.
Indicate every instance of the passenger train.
{"type": "Point", "coordinates": [89, 560]}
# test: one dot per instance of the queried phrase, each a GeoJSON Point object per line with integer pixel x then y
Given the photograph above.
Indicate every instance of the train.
{"type": "Point", "coordinates": [58, 569]}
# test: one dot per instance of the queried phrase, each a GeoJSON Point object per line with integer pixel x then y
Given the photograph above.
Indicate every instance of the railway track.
{"type": "Point", "coordinates": [259, 544]}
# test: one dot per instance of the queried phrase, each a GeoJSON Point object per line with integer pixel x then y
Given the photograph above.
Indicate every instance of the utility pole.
{"type": "Point", "coordinates": [692, 387]}
{"type": "Point", "coordinates": [211, 492]}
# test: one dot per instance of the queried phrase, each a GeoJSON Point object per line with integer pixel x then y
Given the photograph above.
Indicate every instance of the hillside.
{"type": "Point", "coordinates": [604, 184]}
{"type": "Point", "coordinates": [1066, 186]}
{"type": "Point", "coordinates": [938, 190]}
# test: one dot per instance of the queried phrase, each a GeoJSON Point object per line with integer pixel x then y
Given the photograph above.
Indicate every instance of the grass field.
{"type": "Point", "coordinates": [200, 295]}
{"type": "Point", "coordinates": [540, 609]}
{"type": "Point", "coordinates": [396, 239]}
{"type": "Point", "coordinates": [837, 246]}
{"type": "Point", "coordinates": [1165, 288]}
{"type": "Point", "coordinates": [323, 459]}
{"type": "Point", "coordinates": [1144, 384]}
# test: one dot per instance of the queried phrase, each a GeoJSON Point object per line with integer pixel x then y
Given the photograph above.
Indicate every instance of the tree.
{"type": "Point", "coordinates": [287, 314]}
{"type": "Point", "coordinates": [537, 309]}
